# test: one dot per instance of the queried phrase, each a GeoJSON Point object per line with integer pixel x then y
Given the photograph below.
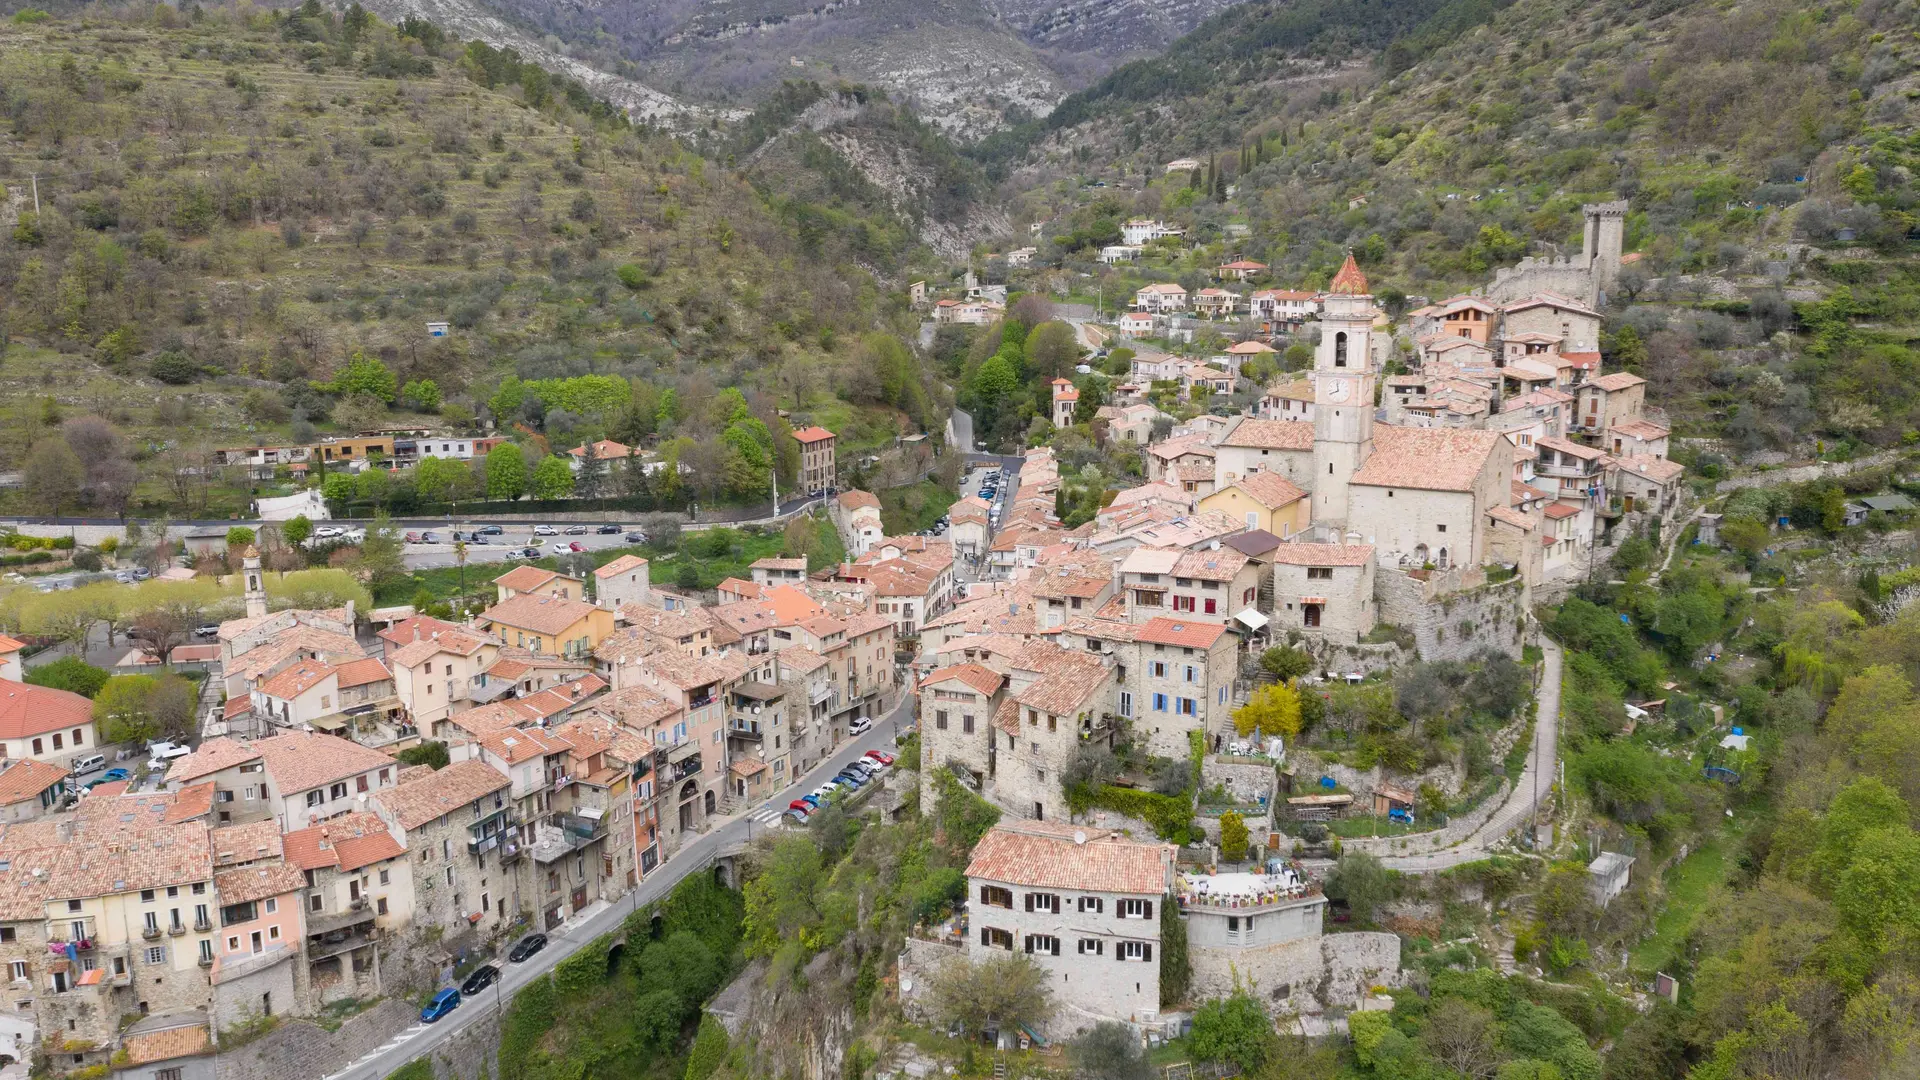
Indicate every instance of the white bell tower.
{"type": "Point", "coordinates": [256, 586]}
{"type": "Point", "coordinates": [1343, 385]}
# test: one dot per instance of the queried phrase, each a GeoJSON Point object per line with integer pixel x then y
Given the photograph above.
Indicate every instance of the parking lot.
{"type": "Point", "coordinates": [430, 547]}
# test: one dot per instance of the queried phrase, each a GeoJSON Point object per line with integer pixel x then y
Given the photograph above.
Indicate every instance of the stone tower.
{"type": "Point", "coordinates": [256, 585]}
{"type": "Point", "coordinates": [1601, 242]}
{"type": "Point", "coordinates": [1343, 384]}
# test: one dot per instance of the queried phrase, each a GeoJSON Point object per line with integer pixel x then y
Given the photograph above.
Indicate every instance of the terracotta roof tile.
{"type": "Point", "coordinates": [525, 578]}
{"type": "Point", "coordinates": [979, 678]}
{"type": "Point", "coordinates": [540, 614]}
{"type": "Point", "coordinates": [1323, 554]}
{"type": "Point", "coordinates": [236, 844]}
{"type": "Point", "coordinates": [362, 672]}
{"type": "Point", "coordinates": [250, 883]}
{"type": "Point", "coordinates": [210, 757]}
{"type": "Point", "coordinates": [26, 778]}
{"type": "Point", "coordinates": [449, 790]}
{"type": "Point", "coordinates": [1255, 433]}
{"type": "Point", "coordinates": [1429, 459]}
{"type": "Point", "coordinates": [620, 566]}
{"type": "Point", "coordinates": [1271, 489]}
{"type": "Point", "coordinates": [1192, 635]}
{"type": "Point", "coordinates": [347, 842]}
{"type": "Point", "coordinates": [302, 760]}
{"type": "Point", "coordinates": [27, 710]}
{"type": "Point", "coordinates": [1051, 855]}
{"type": "Point", "coordinates": [812, 434]}
{"type": "Point", "coordinates": [1619, 380]}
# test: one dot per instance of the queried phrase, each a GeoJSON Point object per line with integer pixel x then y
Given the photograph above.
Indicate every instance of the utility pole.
{"type": "Point", "coordinates": [773, 473]}
{"type": "Point", "coordinates": [36, 194]}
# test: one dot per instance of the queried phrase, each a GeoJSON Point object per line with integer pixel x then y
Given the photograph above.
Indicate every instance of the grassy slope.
{"type": "Point", "coordinates": [1704, 115]}
{"type": "Point", "coordinates": [175, 160]}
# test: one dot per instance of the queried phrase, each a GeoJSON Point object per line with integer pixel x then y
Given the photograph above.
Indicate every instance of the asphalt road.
{"type": "Point", "coordinates": [696, 857]}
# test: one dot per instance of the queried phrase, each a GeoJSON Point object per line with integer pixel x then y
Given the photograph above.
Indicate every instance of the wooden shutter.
{"type": "Point", "coordinates": [1029, 902]}
{"type": "Point", "coordinates": [1146, 953]}
{"type": "Point", "coordinates": [1149, 910]}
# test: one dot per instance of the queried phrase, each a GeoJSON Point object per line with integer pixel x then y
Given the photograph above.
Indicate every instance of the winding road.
{"type": "Point", "coordinates": [1535, 781]}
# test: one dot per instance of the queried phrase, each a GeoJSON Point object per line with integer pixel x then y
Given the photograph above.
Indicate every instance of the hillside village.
{"type": "Point", "coordinates": [594, 724]}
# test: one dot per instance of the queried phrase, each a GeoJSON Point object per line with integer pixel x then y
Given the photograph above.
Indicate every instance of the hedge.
{"type": "Point", "coordinates": [1170, 815]}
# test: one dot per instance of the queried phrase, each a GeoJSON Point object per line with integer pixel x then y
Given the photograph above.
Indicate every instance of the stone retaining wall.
{"type": "Point", "coordinates": [1450, 623]}
{"type": "Point", "coordinates": [1302, 976]}
{"type": "Point", "coordinates": [300, 1050]}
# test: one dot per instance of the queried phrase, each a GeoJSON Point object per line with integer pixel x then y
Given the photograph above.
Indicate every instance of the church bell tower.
{"type": "Point", "coordinates": [1343, 386]}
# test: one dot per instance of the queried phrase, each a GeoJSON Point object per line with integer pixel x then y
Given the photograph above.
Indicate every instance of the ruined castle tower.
{"type": "Point", "coordinates": [1600, 245]}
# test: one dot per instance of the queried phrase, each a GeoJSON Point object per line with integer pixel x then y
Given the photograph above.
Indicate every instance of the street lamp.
{"type": "Point", "coordinates": [460, 559]}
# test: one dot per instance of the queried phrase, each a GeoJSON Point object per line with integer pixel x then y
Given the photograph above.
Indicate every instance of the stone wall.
{"type": "Point", "coordinates": [1800, 474]}
{"type": "Point", "coordinates": [472, 1054]}
{"type": "Point", "coordinates": [298, 1050]}
{"type": "Point", "coordinates": [1566, 275]}
{"type": "Point", "coordinates": [1451, 615]}
{"type": "Point", "coordinates": [1305, 976]}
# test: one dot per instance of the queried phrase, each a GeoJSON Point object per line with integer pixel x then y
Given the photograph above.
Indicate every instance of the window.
{"type": "Point", "coordinates": [206, 949]}
{"type": "Point", "coordinates": [386, 876]}
{"type": "Point", "coordinates": [1043, 945]}
{"type": "Point", "coordinates": [995, 938]}
{"type": "Point", "coordinates": [146, 896]}
{"type": "Point", "coordinates": [380, 906]}
{"type": "Point", "coordinates": [1126, 703]}
{"type": "Point", "coordinates": [273, 932]}
{"type": "Point", "coordinates": [37, 748]}
{"type": "Point", "coordinates": [19, 970]}
{"type": "Point", "coordinates": [995, 896]}
{"type": "Point", "coordinates": [1136, 909]}
{"type": "Point", "coordinates": [338, 791]}
{"type": "Point", "coordinates": [1159, 669]}
{"type": "Point", "coordinates": [1092, 904]}
{"type": "Point", "coordinates": [1211, 606]}
{"type": "Point", "coordinates": [1189, 707]}
{"type": "Point", "coordinates": [166, 1074]}
{"type": "Point", "coordinates": [966, 723]}
{"type": "Point", "coordinates": [273, 905]}
{"type": "Point", "coordinates": [1134, 950]}
{"type": "Point", "coordinates": [1190, 673]}
{"type": "Point", "coordinates": [316, 797]}
{"type": "Point", "coordinates": [1092, 947]}
{"type": "Point", "coordinates": [1159, 703]}
{"type": "Point", "coordinates": [59, 741]}
{"type": "Point", "coordinates": [360, 783]}
{"type": "Point", "coordinates": [173, 891]}
{"type": "Point", "coordinates": [152, 921]}
{"type": "Point", "coordinates": [1041, 901]}
{"type": "Point", "coordinates": [1223, 695]}
{"type": "Point", "coordinates": [314, 902]}
{"type": "Point", "coordinates": [157, 954]}
{"type": "Point", "coordinates": [940, 719]}
{"type": "Point", "coordinates": [1319, 573]}
{"type": "Point", "coordinates": [77, 740]}
{"type": "Point", "coordinates": [1183, 603]}
{"type": "Point", "coordinates": [449, 875]}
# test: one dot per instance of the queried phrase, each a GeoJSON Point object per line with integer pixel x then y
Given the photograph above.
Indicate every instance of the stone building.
{"type": "Point", "coordinates": [257, 951]}
{"type": "Point", "coordinates": [957, 706]}
{"type": "Point", "coordinates": [446, 820]}
{"type": "Point", "coordinates": [359, 896]}
{"type": "Point", "coordinates": [1324, 590]}
{"type": "Point", "coordinates": [1084, 904]}
{"type": "Point", "coordinates": [623, 581]}
{"type": "Point", "coordinates": [817, 475]}
{"type": "Point", "coordinates": [1055, 700]}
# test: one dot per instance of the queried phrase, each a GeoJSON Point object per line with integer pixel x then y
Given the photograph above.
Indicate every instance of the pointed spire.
{"type": "Point", "coordinates": [1349, 281]}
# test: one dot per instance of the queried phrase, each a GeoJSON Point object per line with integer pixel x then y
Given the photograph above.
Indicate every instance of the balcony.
{"type": "Point", "coordinates": [176, 929]}
{"type": "Point", "coordinates": [150, 933]}
{"type": "Point", "coordinates": [563, 834]}
{"type": "Point", "coordinates": [331, 922]}
{"type": "Point", "coordinates": [682, 769]}
{"type": "Point", "coordinates": [202, 925]}
{"type": "Point", "coordinates": [745, 729]}
{"type": "Point", "coordinates": [322, 946]}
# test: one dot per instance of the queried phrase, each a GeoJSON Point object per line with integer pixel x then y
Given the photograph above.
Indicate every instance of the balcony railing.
{"type": "Point", "coordinates": [340, 920]}
{"type": "Point", "coordinates": [563, 834]}
{"type": "Point", "coordinates": [745, 729]}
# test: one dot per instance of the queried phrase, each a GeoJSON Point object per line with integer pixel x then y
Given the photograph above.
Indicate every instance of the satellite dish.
{"type": "Point", "coordinates": [1079, 836]}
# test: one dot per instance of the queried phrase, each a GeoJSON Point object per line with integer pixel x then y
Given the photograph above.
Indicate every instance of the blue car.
{"type": "Point", "coordinates": [853, 780]}
{"type": "Point", "coordinates": [108, 777]}
{"type": "Point", "coordinates": [443, 1003]}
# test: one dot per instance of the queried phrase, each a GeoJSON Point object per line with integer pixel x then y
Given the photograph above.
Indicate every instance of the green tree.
{"type": "Point", "coordinates": [1273, 709]}
{"type": "Point", "coordinates": [297, 530]}
{"type": "Point", "coordinates": [1286, 663]}
{"type": "Point", "coordinates": [365, 375]}
{"type": "Point", "coordinates": [1006, 992]}
{"type": "Point", "coordinates": [1234, 1029]}
{"type": "Point", "coordinates": [69, 673]}
{"type": "Point", "coordinates": [782, 900]}
{"type": "Point", "coordinates": [506, 400]}
{"type": "Point", "coordinates": [124, 709]}
{"type": "Point", "coordinates": [506, 473]}
{"type": "Point", "coordinates": [430, 753]}
{"type": "Point", "coordinates": [1233, 837]}
{"type": "Point", "coordinates": [1176, 962]}
{"type": "Point", "coordinates": [239, 538]}
{"type": "Point", "coordinates": [423, 395]}
{"type": "Point", "coordinates": [552, 478]}
{"type": "Point", "coordinates": [1109, 1051]}
{"type": "Point", "coordinates": [1361, 880]}
{"type": "Point", "coordinates": [382, 558]}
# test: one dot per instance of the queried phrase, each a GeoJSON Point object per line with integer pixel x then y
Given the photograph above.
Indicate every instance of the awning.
{"type": "Point", "coordinates": [591, 813]}
{"type": "Point", "coordinates": [1251, 619]}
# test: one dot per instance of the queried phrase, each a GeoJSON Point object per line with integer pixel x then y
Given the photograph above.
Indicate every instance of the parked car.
{"type": "Point", "coordinates": [429, 538]}
{"type": "Point", "coordinates": [562, 549]}
{"type": "Point", "coordinates": [576, 530]}
{"type": "Point", "coordinates": [860, 726]}
{"type": "Point", "coordinates": [800, 806]}
{"type": "Point", "coordinates": [490, 530]}
{"type": "Point", "coordinates": [124, 577]}
{"type": "Point", "coordinates": [108, 777]}
{"type": "Point", "coordinates": [852, 778]}
{"type": "Point", "coordinates": [812, 801]}
{"type": "Point", "coordinates": [530, 553]}
{"type": "Point", "coordinates": [325, 532]}
{"type": "Point", "coordinates": [545, 530]}
{"type": "Point", "coordinates": [795, 816]}
{"type": "Point", "coordinates": [482, 977]}
{"type": "Point", "coordinates": [167, 751]}
{"type": "Point", "coordinates": [443, 1003]}
{"type": "Point", "coordinates": [412, 538]}
{"type": "Point", "coordinates": [880, 756]}
{"type": "Point", "coordinates": [527, 946]}
{"type": "Point", "coordinates": [141, 573]}
{"type": "Point", "coordinates": [576, 546]}
{"type": "Point", "coordinates": [635, 537]}
{"type": "Point", "coordinates": [476, 538]}
{"type": "Point", "coordinates": [207, 630]}
{"type": "Point", "coordinates": [608, 530]}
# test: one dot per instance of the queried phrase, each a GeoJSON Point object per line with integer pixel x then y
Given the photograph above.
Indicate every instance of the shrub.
{"type": "Point", "coordinates": [174, 368]}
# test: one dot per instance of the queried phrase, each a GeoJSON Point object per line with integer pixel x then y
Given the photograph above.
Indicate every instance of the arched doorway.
{"type": "Point", "coordinates": [1420, 554]}
{"type": "Point", "coordinates": [710, 804]}
{"type": "Point", "coordinates": [1441, 560]}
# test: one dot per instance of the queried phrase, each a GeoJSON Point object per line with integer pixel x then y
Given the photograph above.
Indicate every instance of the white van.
{"type": "Point", "coordinates": [90, 763]}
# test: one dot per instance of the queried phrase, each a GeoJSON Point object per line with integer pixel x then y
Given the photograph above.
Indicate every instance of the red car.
{"type": "Point", "coordinates": [884, 759]}
{"type": "Point", "coordinates": [576, 546]}
{"type": "Point", "coordinates": [801, 805]}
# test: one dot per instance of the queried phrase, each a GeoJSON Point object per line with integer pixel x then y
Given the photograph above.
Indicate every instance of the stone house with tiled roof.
{"type": "Point", "coordinates": [548, 624]}
{"type": "Point", "coordinates": [1083, 904]}
{"type": "Point", "coordinates": [957, 705]}
{"type": "Point", "coordinates": [297, 778]}
{"type": "Point", "coordinates": [1323, 590]}
{"type": "Point", "coordinates": [30, 788]}
{"type": "Point", "coordinates": [1249, 445]}
{"type": "Point", "coordinates": [444, 671]}
{"type": "Point", "coordinates": [1059, 699]}
{"type": "Point", "coordinates": [532, 580]}
{"type": "Point", "coordinates": [359, 899]}
{"type": "Point", "coordinates": [452, 823]}
{"type": "Point", "coordinates": [1263, 500]}
{"type": "Point", "coordinates": [625, 580]}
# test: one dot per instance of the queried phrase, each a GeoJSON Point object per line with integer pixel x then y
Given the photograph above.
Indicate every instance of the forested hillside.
{"type": "Point", "coordinates": [209, 214]}
{"type": "Point", "coordinates": [1767, 148]}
